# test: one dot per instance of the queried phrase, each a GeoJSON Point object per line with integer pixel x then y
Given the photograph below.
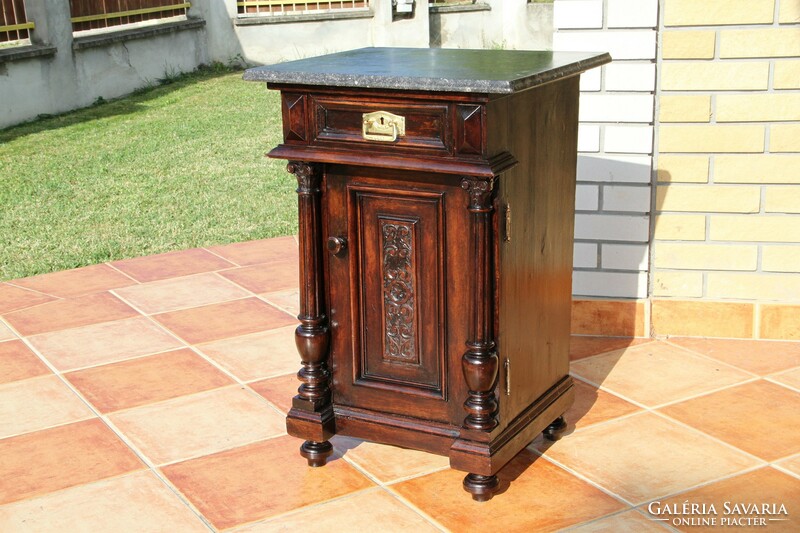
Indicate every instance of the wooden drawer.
{"type": "Point", "coordinates": [338, 121]}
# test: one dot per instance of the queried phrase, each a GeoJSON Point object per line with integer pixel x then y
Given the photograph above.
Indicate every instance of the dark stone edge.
{"type": "Point", "coordinates": [460, 9]}
{"type": "Point", "coordinates": [16, 53]}
{"type": "Point", "coordinates": [426, 84]}
{"type": "Point", "coordinates": [256, 20]}
{"type": "Point", "coordinates": [103, 39]}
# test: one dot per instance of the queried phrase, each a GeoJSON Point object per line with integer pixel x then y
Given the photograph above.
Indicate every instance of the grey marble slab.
{"type": "Point", "coordinates": [431, 69]}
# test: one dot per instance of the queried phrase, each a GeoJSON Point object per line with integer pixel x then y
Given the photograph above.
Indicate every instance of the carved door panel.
{"type": "Point", "coordinates": [388, 296]}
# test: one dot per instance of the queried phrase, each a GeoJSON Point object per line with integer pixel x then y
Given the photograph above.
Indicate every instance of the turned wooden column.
{"type": "Point", "coordinates": [480, 363]}
{"type": "Point", "coordinates": [312, 405]}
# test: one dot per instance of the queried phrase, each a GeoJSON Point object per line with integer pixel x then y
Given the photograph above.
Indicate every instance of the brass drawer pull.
{"type": "Point", "coordinates": [382, 126]}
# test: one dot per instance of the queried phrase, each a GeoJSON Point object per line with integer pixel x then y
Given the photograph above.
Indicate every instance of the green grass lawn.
{"type": "Point", "coordinates": [178, 166]}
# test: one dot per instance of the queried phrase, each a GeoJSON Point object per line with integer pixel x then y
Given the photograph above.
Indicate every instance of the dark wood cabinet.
{"type": "Point", "coordinates": [436, 202]}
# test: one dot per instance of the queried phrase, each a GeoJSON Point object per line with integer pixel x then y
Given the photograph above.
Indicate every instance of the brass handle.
{"type": "Point", "coordinates": [507, 367]}
{"type": "Point", "coordinates": [337, 245]}
{"type": "Point", "coordinates": [382, 126]}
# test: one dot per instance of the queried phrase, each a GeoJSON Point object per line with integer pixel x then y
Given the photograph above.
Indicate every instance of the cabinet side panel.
{"type": "Point", "coordinates": [535, 268]}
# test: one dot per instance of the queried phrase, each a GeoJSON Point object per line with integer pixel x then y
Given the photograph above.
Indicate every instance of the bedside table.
{"type": "Point", "coordinates": [436, 194]}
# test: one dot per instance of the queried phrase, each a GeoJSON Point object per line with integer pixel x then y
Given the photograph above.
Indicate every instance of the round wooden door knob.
{"type": "Point", "coordinates": [337, 245]}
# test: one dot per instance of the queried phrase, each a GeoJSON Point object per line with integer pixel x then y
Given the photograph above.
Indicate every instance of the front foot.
{"type": "Point", "coordinates": [481, 487]}
{"type": "Point", "coordinates": [316, 453]}
{"type": "Point", "coordinates": [554, 431]}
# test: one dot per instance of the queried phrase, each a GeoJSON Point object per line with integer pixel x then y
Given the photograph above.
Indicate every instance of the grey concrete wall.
{"type": "Point", "coordinates": [265, 43]}
{"type": "Point", "coordinates": [509, 24]}
{"type": "Point", "coordinates": [76, 76]}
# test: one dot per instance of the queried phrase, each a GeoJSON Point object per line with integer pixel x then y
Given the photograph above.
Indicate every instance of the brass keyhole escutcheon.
{"type": "Point", "coordinates": [382, 126]}
{"type": "Point", "coordinates": [337, 245]}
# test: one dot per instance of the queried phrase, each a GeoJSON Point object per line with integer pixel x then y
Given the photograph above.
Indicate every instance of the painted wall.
{"type": "Point", "coordinates": [617, 110]}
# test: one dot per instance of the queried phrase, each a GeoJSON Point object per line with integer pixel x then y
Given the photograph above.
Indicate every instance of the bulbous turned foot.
{"type": "Point", "coordinates": [555, 429]}
{"type": "Point", "coordinates": [481, 487]}
{"type": "Point", "coordinates": [316, 453]}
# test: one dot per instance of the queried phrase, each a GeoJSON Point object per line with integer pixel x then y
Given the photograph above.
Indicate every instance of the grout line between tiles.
{"type": "Point", "coordinates": [211, 361]}
{"type": "Point", "coordinates": [773, 379]}
{"type": "Point", "coordinates": [177, 309]}
{"type": "Point", "coordinates": [575, 527]}
{"type": "Point", "coordinates": [712, 437]}
{"type": "Point", "coordinates": [582, 477]}
{"type": "Point", "coordinates": [122, 360]}
{"type": "Point", "coordinates": [154, 469]}
{"type": "Point", "coordinates": [11, 282]}
{"type": "Point", "coordinates": [281, 309]}
{"type": "Point", "coordinates": [297, 510]}
{"type": "Point", "coordinates": [123, 273]}
{"type": "Point", "coordinates": [263, 296]}
{"type": "Point", "coordinates": [112, 427]}
{"type": "Point", "coordinates": [701, 485]}
{"type": "Point", "coordinates": [221, 450]}
{"type": "Point", "coordinates": [212, 252]}
{"type": "Point", "coordinates": [655, 410]}
{"type": "Point", "coordinates": [780, 467]}
{"type": "Point", "coordinates": [706, 356]}
{"type": "Point", "coordinates": [414, 508]}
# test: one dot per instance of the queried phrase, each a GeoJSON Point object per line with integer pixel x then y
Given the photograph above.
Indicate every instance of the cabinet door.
{"type": "Point", "coordinates": [388, 290]}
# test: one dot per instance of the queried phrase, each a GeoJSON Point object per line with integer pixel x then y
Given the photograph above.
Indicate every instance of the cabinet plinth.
{"type": "Point", "coordinates": [436, 194]}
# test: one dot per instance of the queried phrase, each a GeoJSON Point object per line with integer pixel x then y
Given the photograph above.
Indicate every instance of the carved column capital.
{"type": "Point", "coordinates": [480, 193]}
{"type": "Point", "coordinates": [308, 176]}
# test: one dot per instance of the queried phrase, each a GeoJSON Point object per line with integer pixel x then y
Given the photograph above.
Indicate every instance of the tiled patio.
{"type": "Point", "coordinates": [149, 394]}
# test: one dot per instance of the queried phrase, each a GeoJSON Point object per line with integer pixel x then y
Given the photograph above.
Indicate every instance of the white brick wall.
{"type": "Point", "coordinates": [615, 142]}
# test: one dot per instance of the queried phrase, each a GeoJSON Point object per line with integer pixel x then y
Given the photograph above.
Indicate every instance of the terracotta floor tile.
{"type": "Point", "coordinates": [13, 298]}
{"type": "Point", "coordinates": [71, 313]}
{"type": "Point", "coordinates": [261, 251]}
{"type": "Point", "coordinates": [627, 522]}
{"type": "Point", "coordinates": [65, 456]}
{"type": "Point", "coordinates": [523, 481]}
{"type": "Point", "coordinates": [77, 282]}
{"type": "Point", "coordinates": [279, 391]}
{"type": "Point", "coordinates": [225, 320]}
{"type": "Point", "coordinates": [38, 403]}
{"type": "Point", "coordinates": [763, 486]}
{"type": "Point", "coordinates": [135, 502]}
{"type": "Point", "coordinates": [760, 357]}
{"type": "Point", "coordinates": [269, 353]}
{"type": "Point", "coordinates": [260, 480]}
{"type": "Point", "coordinates": [288, 300]}
{"type": "Point", "coordinates": [792, 464]}
{"type": "Point", "coordinates": [583, 346]}
{"type": "Point", "coordinates": [179, 293]}
{"type": "Point", "coordinates": [760, 418]}
{"type": "Point", "coordinates": [5, 333]}
{"type": "Point", "coordinates": [103, 343]}
{"type": "Point", "coordinates": [643, 456]}
{"type": "Point", "coordinates": [200, 424]}
{"type": "Point", "coordinates": [657, 373]}
{"type": "Point", "coordinates": [265, 277]}
{"type": "Point", "coordinates": [790, 378]}
{"type": "Point", "coordinates": [348, 514]}
{"type": "Point", "coordinates": [388, 463]}
{"type": "Point", "coordinates": [171, 265]}
{"type": "Point", "coordinates": [18, 362]}
{"type": "Point", "coordinates": [146, 380]}
{"type": "Point", "coordinates": [593, 405]}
